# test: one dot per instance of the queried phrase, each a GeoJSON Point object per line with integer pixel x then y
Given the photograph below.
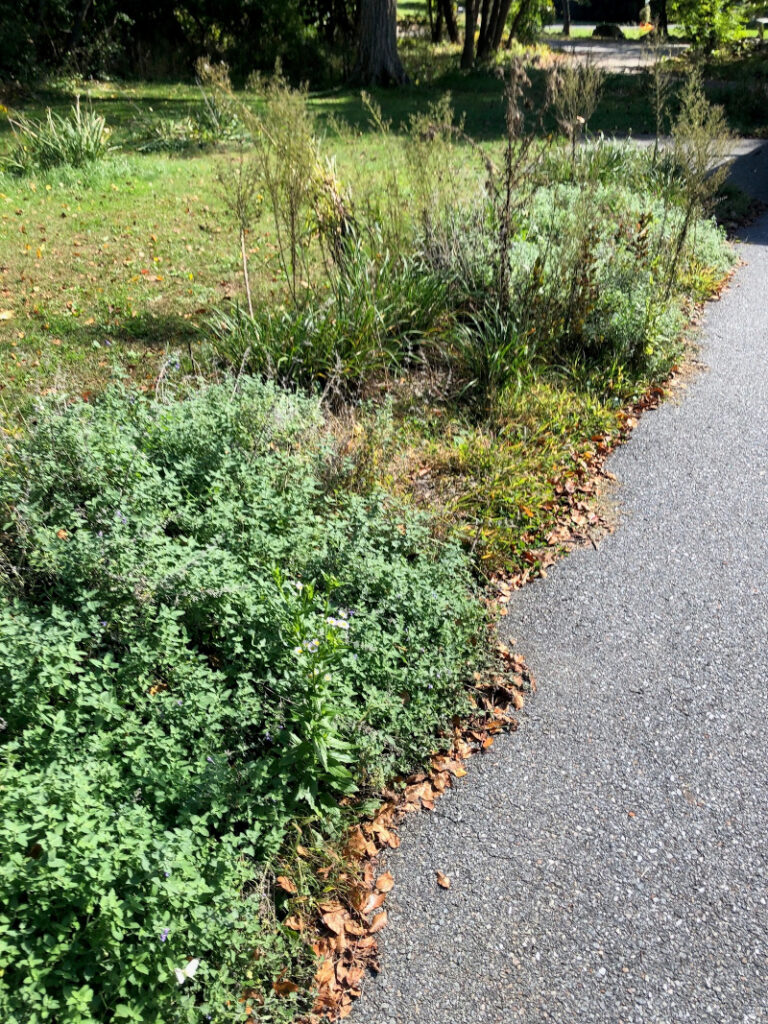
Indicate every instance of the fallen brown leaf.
{"type": "Point", "coordinates": [375, 900]}
{"type": "Point", "coordinates": [443, 880]}
{"type": "Point", "coordinates": [284, 988]}
{"type": "Point", "coordinates": [378, 923]}
{"type": "Point", "coordinates": [385, 882]}
{"type": "Point", "coordinates": [325, 973]}
{"type": "Point", "coordinates": [334, 922]}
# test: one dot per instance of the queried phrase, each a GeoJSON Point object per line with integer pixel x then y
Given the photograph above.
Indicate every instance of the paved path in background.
{"type": "Point", "coordinates": [609, 861]}
{"type": "Point", "coordinates": [612, 55]}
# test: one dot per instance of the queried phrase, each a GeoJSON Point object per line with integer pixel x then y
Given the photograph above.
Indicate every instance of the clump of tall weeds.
{"type": "Point", "coordinates": [573, 92]}
{"type": "Point", "coordinates": [700, 146]}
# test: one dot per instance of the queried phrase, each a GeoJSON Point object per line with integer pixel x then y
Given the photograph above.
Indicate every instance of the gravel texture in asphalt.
{"type": "Point", "coordinates": [609, 861]}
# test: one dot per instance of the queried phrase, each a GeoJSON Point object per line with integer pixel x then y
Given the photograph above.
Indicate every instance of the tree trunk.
{"type": "Point", "coordinates": [566, 17]}
{"type": "Point", "coordinates": [77, 29]}
{"type": "Point", "coordinates": [494, 16]}
{"type": "Point", "coordinates": [482, 36]}
{"type": "Point", "coordinates": [471, 8]}
{"type": "Point", "coordinates": [522, 10]}
{"type": "Point", "coordinates": [378, 62]}
{"type": "Point", "coordinates": [502, 13]}
{"type": "Point", "coordinates": [663, 18]}
{"type": "Point", "coordinates": [448, 12]}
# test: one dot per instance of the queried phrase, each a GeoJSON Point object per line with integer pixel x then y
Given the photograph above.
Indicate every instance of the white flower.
{"type": "Point", "coordinates": [312, 646]}
{"type": "Point", "coordinates": [182, 973]}
{"type": "Point", "coordinates": [338, 623]}
{"type": "Point", "coordinates": [297, 650]}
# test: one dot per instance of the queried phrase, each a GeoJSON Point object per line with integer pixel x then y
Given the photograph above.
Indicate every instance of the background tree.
{"type": "Point", "coordinates": [709, 23]}
{"type": "Point", "coordinates": [495, 13]}
{"type": "Point", "coordinates": [445, 16]}
{"type": "Point", "coordinates": [471, 10]}
{"type": "Point", "coordinates": [378, 62]}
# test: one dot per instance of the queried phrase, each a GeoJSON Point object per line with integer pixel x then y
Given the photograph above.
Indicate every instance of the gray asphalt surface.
{"type": "Point", "coordinates": [613, 56]}
{"type": "Point", "coordinates": [609, 861]}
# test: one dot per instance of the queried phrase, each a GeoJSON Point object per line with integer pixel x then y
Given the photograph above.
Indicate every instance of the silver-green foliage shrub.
{"type": "Point", "coordinates": [199, 644]}
{"type": "Point", "coordinates": [590, 267]}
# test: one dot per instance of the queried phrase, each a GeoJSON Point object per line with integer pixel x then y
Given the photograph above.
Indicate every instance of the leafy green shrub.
{"type": "Point", "coordinates": [199, 645]}
{"type": "Point", "coordinates": [708, 23]}
{"type": "Point", "coordinates": [164, 134]}
{"type": "Point", "coordinates": [73, 141]}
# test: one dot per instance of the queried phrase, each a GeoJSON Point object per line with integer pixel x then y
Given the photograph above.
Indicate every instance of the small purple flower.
{"type": "Point", "coordinates": [167, 874]}
{"type": "Point", "coordinates": [165, 931]}
{"type": "Point", "coordinates": [210, 760]}
{"type": "Point", "coordinates": [107, 342]}
{"type": "Point", "coordinates": [103, 623]}
{"type": "Point", "coordinates": [268, 736]}
{"type": "Point", "coordinates": [179, 702]}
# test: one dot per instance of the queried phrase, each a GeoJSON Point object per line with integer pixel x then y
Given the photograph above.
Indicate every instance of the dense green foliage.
{"type": "Point", "coordinates": [129, 37]}
{"type": "Point", "coordinates": [219, 635]}
{"type": "Point", "coordinates": [587, 272]}
{"type": "Point", "coordinates": [313, 39]}
{"type": "Point", "coordinates": [708, 23]}
{"type": "Point", "coordinates": [201, 643]}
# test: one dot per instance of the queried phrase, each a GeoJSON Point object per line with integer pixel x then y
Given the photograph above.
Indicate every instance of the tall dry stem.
{"type": "Point", "coordinates": [239, 190]}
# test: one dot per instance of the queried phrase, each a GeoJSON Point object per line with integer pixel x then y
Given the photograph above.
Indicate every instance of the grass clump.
{"type": "Point", "coordinates": [57, 141]}
{"type": "Point", "coordinates": [202, 645]}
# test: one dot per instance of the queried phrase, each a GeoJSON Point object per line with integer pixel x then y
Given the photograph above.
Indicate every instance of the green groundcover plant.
{"type": "Point", "coordinates": [201, 644]}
